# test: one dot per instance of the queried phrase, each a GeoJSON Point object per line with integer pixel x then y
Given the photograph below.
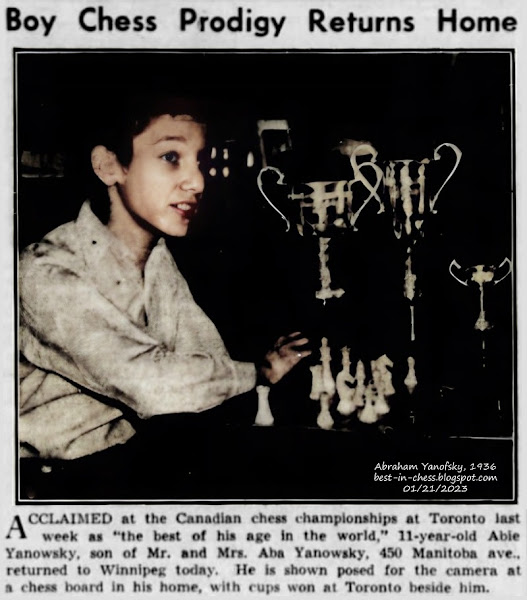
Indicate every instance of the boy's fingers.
{"type": "Point", "coordinates": [280, 342]}
{"type": "Point", "coordinates": [293, 349]}
{"type": "Point", "coordinates": [297, 355]}
{"type": "Point", "coordinates": [293, 335]}
{"type": "Point", "coordinates": [298, 341]}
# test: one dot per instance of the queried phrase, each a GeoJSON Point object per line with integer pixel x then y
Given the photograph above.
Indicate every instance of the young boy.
{"type": "Point", "coordinates": [108, 327]}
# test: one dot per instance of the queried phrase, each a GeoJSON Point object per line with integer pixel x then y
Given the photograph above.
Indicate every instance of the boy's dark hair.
{"type": "Point", "coordinates": [129, 120]}
{"type": "Point", "coordinates": [118, 124]}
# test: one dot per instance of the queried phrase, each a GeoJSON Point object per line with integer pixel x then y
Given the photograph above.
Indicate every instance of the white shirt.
{"type": "Point", "coordinates": [98, 337]}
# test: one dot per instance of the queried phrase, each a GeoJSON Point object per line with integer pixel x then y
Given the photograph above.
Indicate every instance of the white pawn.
{"type": "Point", "coordinates": [264, 416]}
{"type": "Point", "coordinates": [411, 380]}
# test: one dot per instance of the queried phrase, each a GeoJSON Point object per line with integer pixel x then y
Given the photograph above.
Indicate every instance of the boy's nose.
{"type": "Point", "coordinates": [193, 180]}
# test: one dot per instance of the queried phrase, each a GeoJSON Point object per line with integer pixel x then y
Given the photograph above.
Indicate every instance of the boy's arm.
{"type": "Point", "coordinates": [89, 341]}
{"type": "Point", "coordinates": [287, 351]}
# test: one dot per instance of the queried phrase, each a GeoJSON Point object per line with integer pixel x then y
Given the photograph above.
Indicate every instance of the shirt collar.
{"type": "Point", "coordinates": [107, 257]}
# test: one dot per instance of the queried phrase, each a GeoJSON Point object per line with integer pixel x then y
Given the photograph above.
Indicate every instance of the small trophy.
{"type": "Point", "coordinates": [481, 275]}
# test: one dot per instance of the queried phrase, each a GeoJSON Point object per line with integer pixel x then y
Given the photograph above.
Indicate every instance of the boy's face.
{"type": "Point", "coordinates": [163, 182]}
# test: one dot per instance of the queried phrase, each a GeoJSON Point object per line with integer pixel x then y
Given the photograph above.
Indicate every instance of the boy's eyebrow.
{"type": "Point", "coordinates": [171, 138]}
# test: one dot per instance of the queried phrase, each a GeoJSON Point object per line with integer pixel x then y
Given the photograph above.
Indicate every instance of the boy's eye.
{"type": "Point", "coordinates": [171, 157]}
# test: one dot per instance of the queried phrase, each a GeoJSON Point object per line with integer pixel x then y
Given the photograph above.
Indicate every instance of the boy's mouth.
{"type": "Point", "coordinates": [185, 209]}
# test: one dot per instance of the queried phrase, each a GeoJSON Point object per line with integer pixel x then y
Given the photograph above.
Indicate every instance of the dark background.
{"type": "Point", "coordinates": [258, 282]}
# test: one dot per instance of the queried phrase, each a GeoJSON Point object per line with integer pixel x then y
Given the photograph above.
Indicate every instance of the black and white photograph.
{"type": "Point", "coordinates": [265, 276]}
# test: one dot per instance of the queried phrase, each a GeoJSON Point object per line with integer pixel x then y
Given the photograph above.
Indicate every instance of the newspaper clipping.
{"type": "Point", "coordinates": [262, 313]}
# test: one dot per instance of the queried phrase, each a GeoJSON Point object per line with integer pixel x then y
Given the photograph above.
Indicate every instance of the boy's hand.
{"type": "Point", "coordinates": [285, 354]}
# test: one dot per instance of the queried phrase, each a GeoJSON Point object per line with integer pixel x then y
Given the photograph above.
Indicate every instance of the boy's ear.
{"type": "Point", "coordinates": [106, 166]}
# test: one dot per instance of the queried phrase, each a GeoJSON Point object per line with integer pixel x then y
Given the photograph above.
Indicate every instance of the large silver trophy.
{"type": "Point", "coordinates": [322, 207]}
{"type": "Point", "coordinates": [411, 201]}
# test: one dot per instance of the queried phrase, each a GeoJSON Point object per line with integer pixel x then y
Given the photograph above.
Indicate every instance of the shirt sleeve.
{"type": "Point", "coordinates": [68, 327]}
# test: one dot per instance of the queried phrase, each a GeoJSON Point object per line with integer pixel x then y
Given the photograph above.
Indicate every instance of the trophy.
{"type": "Point", "coordinates": [482, 276]}
{"type": "Point", "coordinates": [321, 208]}
{"type": "Point", "coordinates": [411, 203]}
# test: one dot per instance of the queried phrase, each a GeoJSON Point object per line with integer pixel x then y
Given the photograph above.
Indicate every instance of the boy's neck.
{"type": "Point", "coordinates": [133, 234]}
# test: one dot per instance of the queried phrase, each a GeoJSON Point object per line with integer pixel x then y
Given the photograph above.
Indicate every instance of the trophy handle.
{"type": "Point", "coordinates": [279, 182]}
{"type": "Point", "coordinates": [455, 265]}
{"type": "Point", "coordinates": [365, 149]}
{"type": "Point", "coordinates": [437, 156]}
{"type": "Point", "coordinates": [507, 262]}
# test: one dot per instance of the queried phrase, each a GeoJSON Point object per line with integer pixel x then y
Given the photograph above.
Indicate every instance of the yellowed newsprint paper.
{"type": "Point", "coordinates": [262, 273]}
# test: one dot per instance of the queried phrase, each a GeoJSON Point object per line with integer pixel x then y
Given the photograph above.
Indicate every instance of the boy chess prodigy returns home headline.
{"type": "Point", "coordinates": [246, 21]}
